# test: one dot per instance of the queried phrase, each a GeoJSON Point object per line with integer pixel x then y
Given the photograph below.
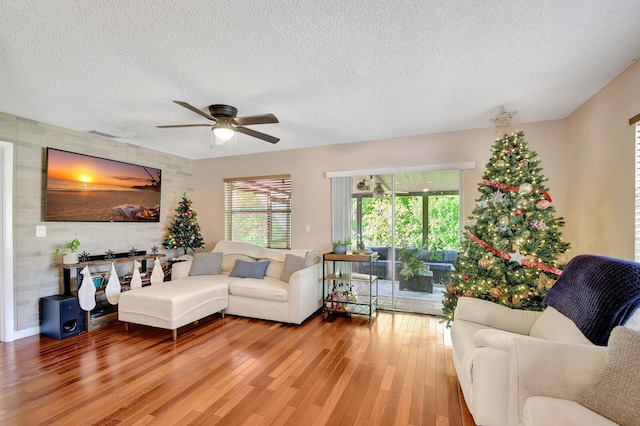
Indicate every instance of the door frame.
{"type": "Point", "coordinates": [7, 321]}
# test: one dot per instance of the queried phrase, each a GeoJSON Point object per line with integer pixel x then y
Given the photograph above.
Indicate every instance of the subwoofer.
{"type": "Point", "coordinates": [61, 316]}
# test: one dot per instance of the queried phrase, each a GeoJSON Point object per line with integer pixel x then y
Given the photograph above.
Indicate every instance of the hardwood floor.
{"type": "Point", "coordinates": [395, 370]}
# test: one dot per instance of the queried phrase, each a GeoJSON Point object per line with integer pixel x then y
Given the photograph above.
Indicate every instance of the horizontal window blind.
{"type": "Point", "coordinates": [258, 210]}
{"type": "Point", "coordinates": [637, 201]}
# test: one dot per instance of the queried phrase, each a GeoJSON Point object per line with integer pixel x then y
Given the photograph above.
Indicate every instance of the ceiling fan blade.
{"type": "Point", "coordinates": [259, 135]}
{"type": "Point", "coordinates": [256, 119]}
{"type": "Point", "coordinates": [185, 125]}
{"type": "Point", "coordinates": [196, 110]}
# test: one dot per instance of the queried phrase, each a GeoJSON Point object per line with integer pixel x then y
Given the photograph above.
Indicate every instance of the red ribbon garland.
{"type": "Point", "coordinates": [507, 256]}
{"type": "Point", "coordinates": [544, 193]}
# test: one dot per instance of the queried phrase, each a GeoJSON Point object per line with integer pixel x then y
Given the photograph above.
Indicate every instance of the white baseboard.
{"type": "Point", "coordinates": [27, 332]}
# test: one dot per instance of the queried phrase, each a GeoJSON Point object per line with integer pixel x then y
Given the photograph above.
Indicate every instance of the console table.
{"type": "Point", "coordinates": [103, 312]}
{"type": "Point", "coordinates": [97, 261]}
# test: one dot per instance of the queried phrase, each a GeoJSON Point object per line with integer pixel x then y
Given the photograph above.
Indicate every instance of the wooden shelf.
{"type": "Point", "coordinates": [107, 261]}
{"type": "Point", "coordinates": [352, 277]}
{"type": "Point", "coordinates": [351, 257]}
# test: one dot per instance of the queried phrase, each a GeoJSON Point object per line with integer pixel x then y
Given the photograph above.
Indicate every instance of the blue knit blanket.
{"type": "Point", "coordinates": [597, 293]}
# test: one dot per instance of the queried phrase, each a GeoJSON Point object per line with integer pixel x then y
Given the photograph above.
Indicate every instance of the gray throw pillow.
{"type": "Point", "coordinates": [206, 264]}
{"type": "Point", "coordinates": [292, 263]}
{"type": "Point", "coordinates": [614, 392]}
{"type": "Point", "coordinates": [244, 269]}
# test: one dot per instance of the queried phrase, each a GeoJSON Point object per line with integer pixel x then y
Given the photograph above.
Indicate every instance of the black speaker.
{"type": "Point", "coordinates": [61, 316]}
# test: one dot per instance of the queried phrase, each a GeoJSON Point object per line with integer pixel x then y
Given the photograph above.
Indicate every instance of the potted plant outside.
{"type": "Point", "coordinates": [414, 274]}
{"type": "Point", "coordinates": [341, 246]}
{"type": "Point", "coordinates": [69, 253]}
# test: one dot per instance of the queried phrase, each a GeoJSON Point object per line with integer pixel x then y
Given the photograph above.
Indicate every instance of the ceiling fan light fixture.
{"type": "Point", "coordinates": [223, 131]}
{"type": "Point", "coordinates": [378, 192]}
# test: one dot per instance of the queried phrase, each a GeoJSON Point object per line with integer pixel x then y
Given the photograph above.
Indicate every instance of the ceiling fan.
{"type": "Point", "coordinates": [362, 185]}
{"type": "Point", "coordinates": [226, 123]}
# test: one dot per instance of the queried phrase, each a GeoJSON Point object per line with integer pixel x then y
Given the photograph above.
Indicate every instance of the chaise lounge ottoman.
{"type": "Point", "coordinates": [173, 304]}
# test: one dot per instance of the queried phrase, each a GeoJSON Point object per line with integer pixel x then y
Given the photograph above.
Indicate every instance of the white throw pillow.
{"type": "Point", "coordinates": [554, 326]}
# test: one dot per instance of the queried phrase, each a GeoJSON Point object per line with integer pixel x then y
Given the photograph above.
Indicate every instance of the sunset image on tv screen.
{"type": "Point", "coordinates": [84, 188]}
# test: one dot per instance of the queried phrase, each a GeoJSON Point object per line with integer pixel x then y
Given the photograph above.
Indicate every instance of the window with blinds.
{"type": "Point", "coordinates": [637, 205]}
{"type": "Point", "coordinates": [258, 210]}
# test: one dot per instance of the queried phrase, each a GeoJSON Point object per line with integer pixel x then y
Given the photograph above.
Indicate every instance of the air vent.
{"type": "Point", "coordinates": [104, 134]}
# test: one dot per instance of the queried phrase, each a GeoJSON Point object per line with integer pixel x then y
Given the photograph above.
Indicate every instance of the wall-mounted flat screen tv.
{"type": "Point", "coordinates": [83, 188]}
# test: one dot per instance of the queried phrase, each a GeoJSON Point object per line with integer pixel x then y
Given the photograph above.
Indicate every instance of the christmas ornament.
{"type": "Point", "coordinates": [516, 300]}
{"type": "Point", "coordinates": [502, 120]}
{"type": "Point", "coordinates": [544, 282]}
{"type": "Point", "coordinates": [504, 220]}
{"type": "Point", "coordinates": [502, 229]}
{"type": "Point", "coordinates": [468, 293]}
{"type": "Point", "coordinates": [483, 204]}
{"type": "Point", "coordinates": [542, 205]}
{"type": "Point", "coordinates": [467, 277]}
{"type": "Point", "coordinates": [544, 193]}
{"type": "Point", "coordinates": [500, 164]}
{"type": "Point", "coordinates": [525, 188]}
{"type": "Point", "coordinates": [495, 292]}
{"type": "Point", "coordinates": [562, 258]}
{"type": "Point", "coordinates": [484, 263]}
{"type": "Point", "coordinates": [516, 257]}
{"type": "Point", "coordinates": [449, 288]}
{"type": "Point", "coordinates": [539, 225]}
{"type": "Point", "coordinates": [497, 197]}
{"type": "Point", "coordinates": [518, 212]}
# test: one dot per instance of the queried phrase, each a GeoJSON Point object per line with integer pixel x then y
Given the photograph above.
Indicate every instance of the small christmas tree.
{"type": "Point", "coordinates": [184, 231]}
{"type": "Point", "coordinates": [512, 248]}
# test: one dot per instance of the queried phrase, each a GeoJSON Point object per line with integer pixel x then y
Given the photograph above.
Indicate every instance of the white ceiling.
{"type": "Point", "coordinates": [332, 71]}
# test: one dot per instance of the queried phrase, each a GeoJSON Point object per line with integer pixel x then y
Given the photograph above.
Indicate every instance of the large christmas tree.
{"type": "Point", "coordinates": [512, 248]}
{"type": "Point", "coordinates": [184, 231]}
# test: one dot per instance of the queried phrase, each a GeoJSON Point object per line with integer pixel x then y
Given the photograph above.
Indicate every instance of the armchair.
{"type": "Point", "coordinates": [547, 379]}
{"type": "Point", "coordinates": [578, 306]}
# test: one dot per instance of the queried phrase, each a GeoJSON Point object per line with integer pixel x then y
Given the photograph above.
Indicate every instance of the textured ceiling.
{"type": "Point", "coordinates": [332, 71]}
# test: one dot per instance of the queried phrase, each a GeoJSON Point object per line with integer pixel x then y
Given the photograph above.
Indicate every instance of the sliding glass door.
{"type": "Point", "coordinates": [412, 220]}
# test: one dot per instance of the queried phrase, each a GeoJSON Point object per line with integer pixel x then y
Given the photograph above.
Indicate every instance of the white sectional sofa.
{"type": "Point", "coordinates": [290, 290]}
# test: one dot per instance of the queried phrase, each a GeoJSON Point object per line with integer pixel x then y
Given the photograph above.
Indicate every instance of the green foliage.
{"type": "Point", "coordinates": [443, 221]}
{"type": "Point", "coordinates": [345, 242]}
{"type": "Point", "coordinates": [513, 218]}
{"type": "Point", "coordinates": [71, 247]}
{"type": "Point", "coordinates": [411, 265]}
{"type": "Point", "coordinates": [184, 231]}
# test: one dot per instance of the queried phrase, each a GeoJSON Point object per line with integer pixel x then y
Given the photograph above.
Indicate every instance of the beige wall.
{"type": "Point", "coordinates": [311, 190]}
{"type": "Point", "coordinates": [600, 163]}
{"type": "Point", "coordinates": [34, 274]}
